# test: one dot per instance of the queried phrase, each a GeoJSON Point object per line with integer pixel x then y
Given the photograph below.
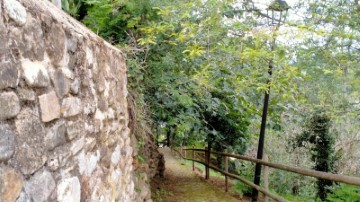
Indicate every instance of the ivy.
{"type": "Point", "coordinates": [320, 142]}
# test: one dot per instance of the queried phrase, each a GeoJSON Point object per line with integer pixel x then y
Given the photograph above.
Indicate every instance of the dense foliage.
{"type": "Point", "coordinates": [198, 72]}
{"type": "Point", "coordinates": [318, 139]}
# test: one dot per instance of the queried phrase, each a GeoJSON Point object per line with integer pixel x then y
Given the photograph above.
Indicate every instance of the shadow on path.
{"type": "Point", "coordinates": [181, 184]}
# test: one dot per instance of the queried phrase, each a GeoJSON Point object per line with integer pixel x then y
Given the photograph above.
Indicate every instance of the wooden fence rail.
{"type": "Point", "coordinates": [306, 172]}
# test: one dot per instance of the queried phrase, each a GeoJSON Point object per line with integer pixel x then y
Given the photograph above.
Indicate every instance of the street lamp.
{"type": "Point", "coordinates": [279, 10]}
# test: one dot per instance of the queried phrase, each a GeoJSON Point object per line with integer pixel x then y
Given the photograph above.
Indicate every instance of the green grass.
{"type": "Point", "coordinates": [213, 173]}
{"type": "Point", "coordinates": [160, 194]}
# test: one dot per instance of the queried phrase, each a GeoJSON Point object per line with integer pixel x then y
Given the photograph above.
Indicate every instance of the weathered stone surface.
{"type": "Point", "coordinates": [67, 73]}
{"type": "Point", "coordinates": [30, 138]}
{"type": "Point", "coordinates": [1, 22]}
{"type": "Point", "coordinates": [100, 81]}
{"type": "Point", "coordinates": [75, 86]}
{"type": "Point", "coordinates": [55, 136]}
{"type": "Point", "coordinates": [77, 145]}
{"type": "Point", "coordinates": [9, 75]}
{"type": "Point", "coordinates": [35, 73]}
{"type": "Point", "coordinates": [7, 142]}
{"type": "Point", "coordinates": [55, 43]}
{"type": "Point", "coordinates": [61, 83]}
{"type": "Point", "coordinates": [90, 143]}
{"type": "Point", "coordinates": [61, 155]}
{"type": "Point", "coordinates": [33, 44]}
{"type": "Point", "coordinates": [11, 184]}
{"type": "Point", "coordinates": [25, 94]}
{"type": "Point", "coordinates": [9, 105]}
{"type": "Point", "coordinates": [88, 162]}
{"type": "Point", "coordinates": [71, 106]}
{"type": "Point", "coordinates": [23, 197]}
{"type": "Point", "coordinates": [50, 107]}
{"type": "Point", "coordinates": [103, 104]}
{"type": "Point", "coordinates": [69, 190]}
{"type": "Point", "coordinates": [89, 108]}
{"type": "Point", "coordinates": [53, 164]}
{"type": "Point", "coordinates": [116, 155]}
{"type": "Point", "coordinates": [74, 129]}
{"type": "Point", "coordinates": [15, 11]}
{"type": "Point", "coordinates": [3, 37]}
{"type": "Point", "coordinates": [40, 186]}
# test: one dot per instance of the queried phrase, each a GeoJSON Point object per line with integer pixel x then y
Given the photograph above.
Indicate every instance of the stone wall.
{"type": "Point", "coordinates": [64, 132]}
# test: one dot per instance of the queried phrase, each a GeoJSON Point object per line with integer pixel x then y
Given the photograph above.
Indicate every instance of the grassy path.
{"type": "Point", "coordinates": [181, 184]}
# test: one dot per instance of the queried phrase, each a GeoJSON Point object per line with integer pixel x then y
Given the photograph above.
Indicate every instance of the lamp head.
{"type": "Point", "coordinates": [278, 5]}
{"type": "Point", "coordinates": [279, 10]}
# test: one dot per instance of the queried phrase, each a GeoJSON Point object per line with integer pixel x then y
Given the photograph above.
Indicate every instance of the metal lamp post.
{"type": "Point", "coordinates": [278, 9]}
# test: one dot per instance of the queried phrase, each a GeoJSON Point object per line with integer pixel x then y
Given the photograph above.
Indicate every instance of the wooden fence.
{"type": "Point", "coordinates": [306, 172]}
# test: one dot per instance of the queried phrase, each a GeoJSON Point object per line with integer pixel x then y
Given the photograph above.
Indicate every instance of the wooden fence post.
{"type": "Point", "coordinates": [193, 157]}
{"type": "Point", "coordinates": [185, 154]}
{"type": "Point", "coordinates": [206, 162]}
{"type": "Point", "coordinates": [207, 159]}
{"type": "Point", "coordinates": [266, 178]}
{"type": "Point", "coordinates": [226, 170]}
{"type": "Point", "coordinates": [181, 151]}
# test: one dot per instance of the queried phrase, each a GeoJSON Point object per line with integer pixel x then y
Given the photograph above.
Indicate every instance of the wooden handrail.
{"type": "Point", "coordinates": [271, 195]}
{"type": "Point", "coordinates": [307, 172]}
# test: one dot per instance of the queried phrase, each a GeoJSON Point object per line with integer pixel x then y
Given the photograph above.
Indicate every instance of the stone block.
{"type": "Point", "coordinates": [71, 106]}
{"type": "Point", "coordinates": [61, 83]}
{"type": "Point", "coordinates": [50, 107]}
{"type": "Point", "coordinates": [29, 155]}
{"type": "Point", "coordinates": [89, 108]}
{"type": "Point", "coordinates": [23, 197]}
{"type": "Point", "coordinates": [67, 73]}
{"type": "Point", "coordinates": [116, 155]}
{"type": "Point", "coordinates": [60, 157]}
{"type": "Point", "coordinates": [26, 94]}
{"type": "Point", "coordinates": [3, 46]}
{"type": "Point", "coordinates": [1, 22]}
{"type": "Point", "coordinates": [33, 43]}
{"type": "Point", "coordinates": [53, 164]}
{"type": "Point", "coordinates": [9, 105]}
{"type": "Point", "coordinates": [55, 136]}
{"type": "Point", "coordinates": [55, 43]}
{"type": "Point", "coordinates": [11, 184]}
{"type": "Point", "coordinates": [69, 190]}
{"type": "Point", "coordinates": [40, 186]}
{"type": "Point", "coordinates": [87, 162]}
{"type": "Point", "coordinates": [15, 11]}
{"type": "Point", "coordinates": [90, 143]}
{"type": "Point", "coordinates": [77, 146]}
{"type": "Point", "coordinates": [75, 86]}
{"type": "Point", "coordinates": [35, 73]}
{"type": "Point", "coordinates": [9, 75]}
{"type": "Point", "coordinates": [7, 142]}
{"type": "Point", "coordinates": [74, 129]}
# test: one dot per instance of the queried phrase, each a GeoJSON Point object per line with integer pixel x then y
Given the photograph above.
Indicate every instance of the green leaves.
{"type": "Point", "coordinates": [200, 68]}
{"type": "Point", "coordinates": [71, 6]}
{"type": "Point", "coordinates": [194, 50]}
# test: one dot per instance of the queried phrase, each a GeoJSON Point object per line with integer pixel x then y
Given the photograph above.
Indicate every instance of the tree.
{"type": "Point", "coordinates": [318, 139]}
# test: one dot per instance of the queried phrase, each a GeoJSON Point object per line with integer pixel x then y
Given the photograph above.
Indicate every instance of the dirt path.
{"type": "Point", "coordinates": [181, 184]}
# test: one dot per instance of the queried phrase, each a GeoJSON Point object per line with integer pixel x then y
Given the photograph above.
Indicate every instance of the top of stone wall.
{"type": "Point", "coordinates": [46, 8]}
